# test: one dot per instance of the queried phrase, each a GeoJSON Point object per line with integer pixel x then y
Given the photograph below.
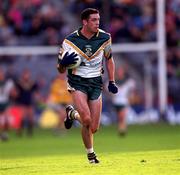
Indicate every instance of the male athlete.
{"type": "Point", "coordinates": [85, 82]}
{"type": "Point", "coordinates": [6, 91]}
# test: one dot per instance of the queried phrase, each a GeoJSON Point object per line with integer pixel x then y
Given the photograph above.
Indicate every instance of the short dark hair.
{"type": "Point", "coordinates": [87, 12]}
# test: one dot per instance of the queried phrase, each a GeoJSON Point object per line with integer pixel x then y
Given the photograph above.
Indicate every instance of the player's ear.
{"type": "Point", "coordinates": [84, 22]}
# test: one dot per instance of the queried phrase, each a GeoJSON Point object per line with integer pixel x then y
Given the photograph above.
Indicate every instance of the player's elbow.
{"type": "Point", "coordinates": [61, 69]}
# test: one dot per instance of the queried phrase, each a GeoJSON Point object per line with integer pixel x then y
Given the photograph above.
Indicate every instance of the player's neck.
{"type": "Point", "coordinates": [87, 33]}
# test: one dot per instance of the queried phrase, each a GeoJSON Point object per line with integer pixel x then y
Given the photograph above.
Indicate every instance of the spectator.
{"type": "Point", "coordinates": [27, 90]}
{"type": "Point", "coordinates": [6, 90]}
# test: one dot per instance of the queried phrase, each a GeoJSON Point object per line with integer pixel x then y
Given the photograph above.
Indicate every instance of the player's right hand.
{"type": "Point", "coordinates": [68, 59]}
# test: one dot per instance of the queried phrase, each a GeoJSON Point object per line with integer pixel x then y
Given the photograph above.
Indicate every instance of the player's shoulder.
{"type": "Point", "coordinates": [72, 35]}
{"type": "Point", "coordinates": [104, 34]}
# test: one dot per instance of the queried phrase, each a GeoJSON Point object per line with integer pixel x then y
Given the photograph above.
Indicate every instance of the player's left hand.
{"type": "Point", "coordinates": [112, 87]}
{"type": "Point", "coordinates": [68, 59]}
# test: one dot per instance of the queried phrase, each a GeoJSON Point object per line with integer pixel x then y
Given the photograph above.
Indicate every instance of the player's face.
{"type": "Point", "coordinates": [93, 23]}
{"type": "Point", "coordinates": [26, 75]}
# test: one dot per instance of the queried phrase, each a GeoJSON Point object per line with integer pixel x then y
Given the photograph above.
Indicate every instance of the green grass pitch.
{"type": "Point", "coordinates": [146, 150]}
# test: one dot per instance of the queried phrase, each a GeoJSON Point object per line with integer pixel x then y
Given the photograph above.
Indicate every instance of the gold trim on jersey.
{"type": "Point", "coordinates": [77, 33]}
{"type": "Point", "coordinates": [97, 33]}
{"type": "Point", "coordinates": [79, 51]}
{"type": "Point", "coordinates": [101, 48]}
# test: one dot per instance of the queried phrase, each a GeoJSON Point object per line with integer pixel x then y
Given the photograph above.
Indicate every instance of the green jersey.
{"type": "Point", "coordinates": [92, 52]}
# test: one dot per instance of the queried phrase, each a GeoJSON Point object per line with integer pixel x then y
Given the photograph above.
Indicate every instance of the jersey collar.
{"type": "Point", "coordinates": [80, 34]}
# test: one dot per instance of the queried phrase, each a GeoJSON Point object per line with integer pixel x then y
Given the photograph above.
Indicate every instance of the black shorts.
{"type": "Point", "coordinates": [90, 86]}
{"type": "Point", "coordinates": [3, 107]}
{"type": "Point", "coordinates": [119, 107]}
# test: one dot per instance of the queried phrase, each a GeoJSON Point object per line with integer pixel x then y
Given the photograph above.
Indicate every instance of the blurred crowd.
{"type": "Point", "coordinates": [47, 22]}
{"type": "Point", "coordinates": [30, 22]}
{"type": "Point", "coordinates": [37, 22]}
{"type": "Point", "coordinates": [127, 20]}
{"type": "Point", "coordinates": [24, 106]}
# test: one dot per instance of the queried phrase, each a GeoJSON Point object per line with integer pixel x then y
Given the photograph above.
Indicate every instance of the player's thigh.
{"type": "Point", "coordinates": [80, 102]}
{"type": "Point", "coordinates": [95, 110]}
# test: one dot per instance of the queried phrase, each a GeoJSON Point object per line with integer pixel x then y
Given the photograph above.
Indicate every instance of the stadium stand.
{"type": "Point", "coordinates": [38, 22]}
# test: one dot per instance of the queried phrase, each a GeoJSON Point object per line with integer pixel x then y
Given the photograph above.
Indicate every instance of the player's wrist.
{"type": "Point", "coordinates": [112, 81]}
{"type": "Point", "coordinates": [61, 69]}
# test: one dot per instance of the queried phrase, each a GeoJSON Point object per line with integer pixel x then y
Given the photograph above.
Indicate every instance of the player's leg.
{"type": "Point", "coordinates": [122, 126]}
{"type": "Point", "coordinates": [95, 110]}
{"type": "Point", "coordinates": [80, 101]}
{"type": "Point", "coordinates": [95, 107]}
{"type": "Point", "coordinates": [81, 104]}
{"type": "Point", "coordinates": [30, 119]}
{"type": "Point", "coordinates": [81, 97]}
{"type": "Point", "coordinates": [20, 130]}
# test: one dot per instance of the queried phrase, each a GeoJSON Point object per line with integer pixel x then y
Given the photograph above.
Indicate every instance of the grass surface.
{"type": "Point", "coordinates": [147, 149]}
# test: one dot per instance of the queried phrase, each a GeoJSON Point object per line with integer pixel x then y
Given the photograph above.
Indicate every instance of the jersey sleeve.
{"type": "Point", "coordinates": [108, 49]}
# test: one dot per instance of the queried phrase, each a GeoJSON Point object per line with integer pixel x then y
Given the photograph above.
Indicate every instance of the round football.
{"type": "Point", "coordinates": [76, 64]}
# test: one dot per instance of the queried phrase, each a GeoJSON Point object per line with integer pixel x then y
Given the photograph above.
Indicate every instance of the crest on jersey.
{"type": "Point", "coordinates": [88, 50]}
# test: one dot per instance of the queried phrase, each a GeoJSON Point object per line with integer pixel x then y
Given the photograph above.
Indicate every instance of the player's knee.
{"type": "Point", "coordinates": [85, 118]}
{"type": "Point", "coordinates": [86, 121]}
{"type": "Point", "coordinates": [94, 129]}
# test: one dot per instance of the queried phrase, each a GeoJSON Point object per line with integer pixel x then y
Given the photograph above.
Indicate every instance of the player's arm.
{"type": "Point", "coordinates": [65, 59]}
{"type": "Point", "coordinates": [60, 67]}
{"type": "Point", "coordinates": [110, 66]}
